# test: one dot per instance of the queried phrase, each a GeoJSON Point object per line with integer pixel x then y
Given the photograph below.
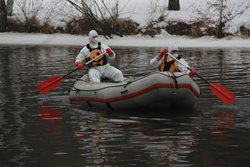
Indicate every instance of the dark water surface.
{"type": "Point", "coordinates": [39, 131]}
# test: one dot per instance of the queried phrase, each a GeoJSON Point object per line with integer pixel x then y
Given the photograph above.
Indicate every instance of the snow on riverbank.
{"type": "Point", "coordinates": [128, 41]}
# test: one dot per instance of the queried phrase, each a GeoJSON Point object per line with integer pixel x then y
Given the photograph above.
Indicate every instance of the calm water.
{"type": "Point", "coordinates": [38, 131]}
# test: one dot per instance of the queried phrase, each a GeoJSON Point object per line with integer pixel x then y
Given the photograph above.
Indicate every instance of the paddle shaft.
{"type": "Point", "coordinates": [84, 63]}
{"type": "Point", "coordinates": [217, 89]}
{"type": "Point", "coordinates": [188, 68]}
{"type": "Point", "coordinates": [54, 81]}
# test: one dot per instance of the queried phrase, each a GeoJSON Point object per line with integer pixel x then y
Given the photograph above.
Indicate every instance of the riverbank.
{"type": "Point", "coordinates": [128, 41]}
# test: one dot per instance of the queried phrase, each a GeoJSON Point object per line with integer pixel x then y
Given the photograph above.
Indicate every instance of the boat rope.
{"type": "Point", "coordinates": [95, 90]}
{"type": "Point", "coordinates": [124, 85]}
{"type": "Point", "coordinates": [174, 81]}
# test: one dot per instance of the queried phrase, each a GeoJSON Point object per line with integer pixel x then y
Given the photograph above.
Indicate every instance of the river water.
{"type": "Point", "coordinates": [46, 130]}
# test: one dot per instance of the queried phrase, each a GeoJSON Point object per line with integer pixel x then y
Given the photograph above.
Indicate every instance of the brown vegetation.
{"type": "Point", "coordinates": [31, 25]}
{"type": "Point", "coordinates": [107, 22]}
{"type": "Point", "coordinates": [245, 32]}
{"type": "Point", "coordinates": [82, 26]}
{"type": "Point", "coordinates": [198, 29]}
{"type": "Point", "coordinates": [124, 26]}
{"type": "Point", "coordinates": [178, 28]}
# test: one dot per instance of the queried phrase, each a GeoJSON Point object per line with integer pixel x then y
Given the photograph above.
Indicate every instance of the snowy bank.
{"type": "Point", "coordinates": [128, 41]}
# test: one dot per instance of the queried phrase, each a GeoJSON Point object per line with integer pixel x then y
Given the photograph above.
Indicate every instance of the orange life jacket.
{"type": "Point", "coordinates": [94, 52]}
{"type": "Point", "coordinates": [169, 64]}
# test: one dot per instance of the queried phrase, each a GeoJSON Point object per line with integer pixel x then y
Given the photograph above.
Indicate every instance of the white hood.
{"type": "Point", "coordinates": [93, 37]}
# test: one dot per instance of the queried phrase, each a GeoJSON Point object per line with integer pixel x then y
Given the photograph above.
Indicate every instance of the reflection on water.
{"type": "Point", "coordinates": [49, 131]}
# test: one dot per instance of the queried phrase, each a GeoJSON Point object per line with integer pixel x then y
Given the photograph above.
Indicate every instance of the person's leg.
{"type": "Point", "coordinates": [94, 75]}
{"type": "Point", "coordinates": [113, 74]}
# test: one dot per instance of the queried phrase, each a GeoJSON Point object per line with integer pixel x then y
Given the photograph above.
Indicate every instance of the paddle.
{"type": "Point", "coordinates": [217, 89]}
{"type": "Point", "coordinates": [54, 81]}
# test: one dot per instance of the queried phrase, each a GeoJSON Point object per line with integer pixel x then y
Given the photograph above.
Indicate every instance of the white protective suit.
{"type": "Point", "coordinates": [97, 72]}
{"type": "Point", "coordinates": [156, 61]}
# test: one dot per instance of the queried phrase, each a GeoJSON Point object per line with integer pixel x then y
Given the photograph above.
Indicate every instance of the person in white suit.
{"type": "Point", "coordinates": [164, 62]}
{"type": "Point", "coordinates": [100, 67]}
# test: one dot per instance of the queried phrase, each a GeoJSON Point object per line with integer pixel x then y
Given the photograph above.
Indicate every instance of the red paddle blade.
{"type": "Point", "coordinates": [49, 84]}
{"type": "Point", "coordinates": [222, 93]}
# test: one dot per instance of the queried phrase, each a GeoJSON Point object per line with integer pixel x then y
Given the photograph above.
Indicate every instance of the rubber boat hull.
{"type": "Point", "coordinates": [159, 89]}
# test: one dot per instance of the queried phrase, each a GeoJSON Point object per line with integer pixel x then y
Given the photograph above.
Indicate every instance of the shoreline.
{"type": "Point", "coordinates": [33, 39]}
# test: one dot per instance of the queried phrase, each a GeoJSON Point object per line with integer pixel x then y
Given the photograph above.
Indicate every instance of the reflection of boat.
{"type": "Point", "coordinates": [159, 89]}
{"type": "Point", "coordinates": [52, 116]}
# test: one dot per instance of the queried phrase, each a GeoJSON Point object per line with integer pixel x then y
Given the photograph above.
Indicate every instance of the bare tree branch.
{"type": "Point", "coordinates": [220, 13]}
{"type": "Point", "coordinates": [107, 25]}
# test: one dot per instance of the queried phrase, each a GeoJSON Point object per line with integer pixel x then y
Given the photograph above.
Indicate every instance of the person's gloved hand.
{"type": "Point", "coordinates": [109, 51]}
{"type": "Point", "coordinates": [79, 65]}
{"type": "Point", "coordinates": [192, 72]}
{"type": "Point", "coordinates": [162, 53]}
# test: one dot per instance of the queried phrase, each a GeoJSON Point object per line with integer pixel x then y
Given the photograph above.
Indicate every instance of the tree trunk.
{"type": "Point", "coordinates": [220, 32]}
{"type": "Point", "coordinates": [173, 5]}
{"type": "Point", "coordinates": [10, 7]}
{"type": "Point", "coordinates": [3, 16]}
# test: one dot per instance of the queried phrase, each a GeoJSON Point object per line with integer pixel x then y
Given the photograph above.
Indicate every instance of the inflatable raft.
{"type": "Point", "coordinates": [159, 89]}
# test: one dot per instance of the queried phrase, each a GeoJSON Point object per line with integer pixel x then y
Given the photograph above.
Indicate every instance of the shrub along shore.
{"type": "Point", "coordinates": [125, 27]}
